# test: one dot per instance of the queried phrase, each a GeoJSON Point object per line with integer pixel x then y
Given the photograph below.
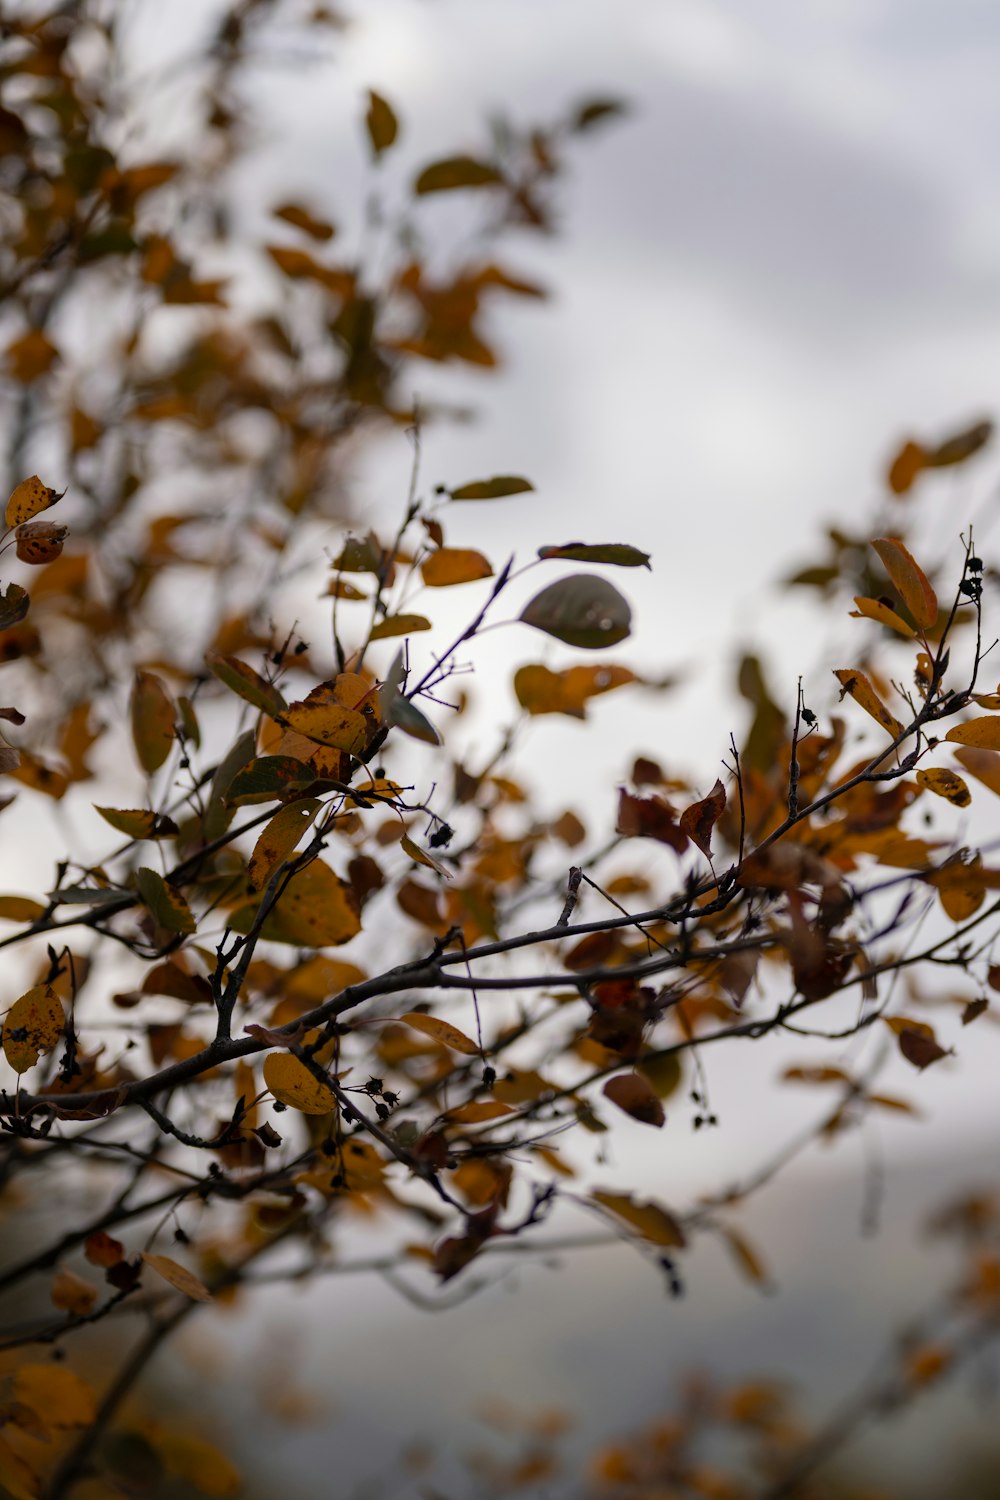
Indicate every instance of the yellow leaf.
{"type": "Point", "coordinates": [542, 691]}
{"type": "Point", "coordinates": [20, 909]}
{"type": "Point", "coordinates": [861, 690]}
{"type": "Point", "coordinates": [33, 1025]}
{"type": "Point", "coordinates": [910, 580]}
{"type": "Point", "coordinates": [874, 609]}
{"type": "Point", "coordinates": [450, 565]}
{"type": "Point", "coordinates": [478, 1111]}
{"type": "Point", "coordinates": [55, 1393]}
{"type": "Point", "coordinates": [135, 823]}
{"type": "Point", "coordinates": [153, 715]}
{"type": "Point", "coordinates": [328, 724]}
{"type": "Point", "coordinates": [984, 765]}
{"type": "Point", "coordinates": [291, 1083]}
{"type": "Point", "coordinates": [279, 838]}
{"type": "Point", "coordinates": [946, 784]}
{"type": "Point", "coordinates": [28, 498]}
{"type": "Point", "coordinates": [745, 1255]}
{"type": "Point", "coordinates": [179, 1277]}
{"type": "Point", "coordinates": [655, 1224]}
{"type": "Point", "coordinates": [198, 1463]}
{"type": "Point", "coordinates": [316, 910]}
{"type": "Point", "coordinates": [981, 734]}
{"type": "Point", "coordinates": [399, 625]}
{"type": "Point", "coordinates": [72, 1293]}
{"type": "Point", "coordinates": [422, 857]}
{"type": "Point", "coordinates": [441, 1031]}
{"type": "Point", "coordinates": [15, 1475]}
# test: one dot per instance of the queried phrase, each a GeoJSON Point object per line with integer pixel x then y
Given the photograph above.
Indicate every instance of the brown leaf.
{"type": "Point", "coordinates": [633, 1094]}
{"type": "Point", "coordinates": [649, 818]}
{"type": "Point", "coordinates": [381, 123]}
{"type": "Point", "coordinates": [178, 1276]}
{"type": "Point", "coordinates": [698, 820]}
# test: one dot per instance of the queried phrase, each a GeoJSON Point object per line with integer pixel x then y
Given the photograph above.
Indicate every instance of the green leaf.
{"type": "Point", "coordinates": [269, 777]}
{"type": "Point", "coordinates": [582, 610]}
{"type": "Point", "coordinates": [245, 682]}
{"type": "Point", "coordinates": [166, 904]}
{"type": "Point", "coordinates": [493, 489]}
{"type": "Point", "coordinates": [617, 554]}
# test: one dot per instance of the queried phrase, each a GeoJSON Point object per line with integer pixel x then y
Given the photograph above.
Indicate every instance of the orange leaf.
{"type": "Point", "coordinates": [865, 696]}
{"type": "Point", "coordinates": [912, 583]}
{"type": "Point", "coordinates": [875, 609]}
{"type": "Point", "coordinates": [291, 1083]}
{"type": "Point", "coordinates": [450, 565]}
{"type": "Point", "coordinates": [653, 1223]}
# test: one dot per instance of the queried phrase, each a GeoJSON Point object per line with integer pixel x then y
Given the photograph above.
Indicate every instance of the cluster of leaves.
{"type": "Point", "coordinates": [183, 1024]}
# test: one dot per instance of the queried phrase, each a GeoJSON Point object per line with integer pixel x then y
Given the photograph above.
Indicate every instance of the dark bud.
{"type": "Point", "coordinates": [441, 836]}
{"type": "Point", "coordinates": [975, 565]}
{"type": "Point", "coordinates": [489, 1077]}
{"type": "Point", "coordinates": [382, 1110]}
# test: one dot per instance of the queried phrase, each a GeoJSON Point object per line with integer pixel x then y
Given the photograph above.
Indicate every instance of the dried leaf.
{"type": "Point", "coordinates": [39, 542]}
{"type": "Point", "coordinates": [699, 820]}
{"type": "Point", "coordinates": [649, 818]}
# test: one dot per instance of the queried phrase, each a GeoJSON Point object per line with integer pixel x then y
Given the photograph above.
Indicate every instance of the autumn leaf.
{"type": "Point", "coordinates": [455, 172]}
{"type": "Point", "coordinates": [451, 565]}
{"type": "Point", "coordinates": [981, 734]}
{"type": "Point", "coordinates": [33, 1026]}
{"type": "Point", "coordinates": [245, 682]}
{"type": "Point", "coordinates": [698, 821]}
{"type": "Point", "coordinates": [154, 715]}
{"type": "Point", "coordinates": [60, 1396]}
{"type": "Point", "coordinates": [28, 498]}
{"type": "Point", "coordinates": [279, 838]}
{"type": "Point", "coordinates": [394, 625]}
{"type": "Point", "coordinates": [649, 818]}
{"type": "Point", "coordinates": [441, 1031]}
{"type": "Point", "coordinates": [877, 609]}
{"type": "Point", "coordinates": [946, 784]}
{"type": "Point", "coordinates": [179, 1277]}
{"type": "Point", "coordinates": [634, 1095]}
{"type": "Point", "coordinates": [649, 1219]}
{"type": "Point", "coordinates": [316, 909]}
{"type": "Point", "coordinates": [164, 902]}
{"type": "Point", "coordinates": [39, 542]}
{"type": "Point", "coordinates": [542, 691]}
{"type": "Point", "coordinates": [381, 123]}
{"type": "Point", "coordinates": [291, 1083]}
{"type": "Point", "coordinates": [497, 488]}
{"type": "Point", "coordinates": [857, 684]}
{"type": "Point", "coordinates": [72, 1293]}
{"type": "Point", "coordinates": [910, 580]}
